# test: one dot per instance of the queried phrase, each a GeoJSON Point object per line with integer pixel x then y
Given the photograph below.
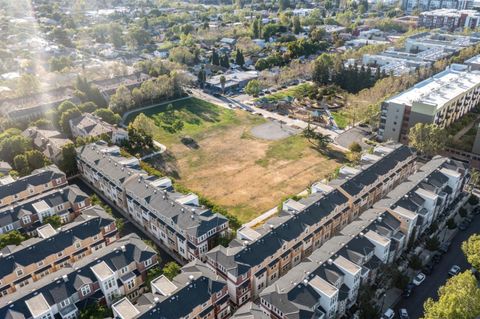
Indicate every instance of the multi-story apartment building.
{"type": "Point", "coordinates": [263, 255]}
{"type": "Point", "coordinates": [426, 5]}
{"type": "Point", "coordinates": [25, 216]}
{"type": "Point", "coordinates": [35, 258]}
{"type": "Point", "coordinates": [450, 19]}
{"type": "Point", "coordinates": [177, 221]}
{"type": "Point", "coordinates": [39, 181]}
{"type": "Point", "coordinates": [109, 273]}
{"type": "Point", "coordinates": [326, 285]}
{"type": "Point", "coordinates": [197, 292]}
{"type": "Point", "coordinates": [441, 99]}
{"type": "Point", "coordinates": [435, 40]}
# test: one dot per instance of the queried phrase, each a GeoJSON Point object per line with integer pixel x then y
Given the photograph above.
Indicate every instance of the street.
{"type": "Point", "coordinates": [429, 288]}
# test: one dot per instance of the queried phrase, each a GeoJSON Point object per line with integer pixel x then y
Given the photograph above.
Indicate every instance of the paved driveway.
{"type": "Point", "coordinates": [355, 134]}
{"type": "Point", "coordinates": [429, 288]}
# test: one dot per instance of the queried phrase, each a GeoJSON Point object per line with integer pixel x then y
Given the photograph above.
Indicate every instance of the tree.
{"type": "Point", "coordinates": [171, 269]}
{"type": "Point", "coordinates": [55, 221]}
{"type": "Point", "coordinates": [428, 139]}
{"type": "Point", "coordinates": [121, 101]}
{"type": "Point", "coordinates": [224, 61]}
{"type": "Point", "coordinates": [108, 116]}
{"type": "Point", "coordinates": [415, 262]}
{"type": "Point", "coordinates": [152, 274]}
{"type": "Point", "coordinates": [256, 27]}
{"type": "Point", "coordinates": [65, 106]}
{"type": "Point", "coordinates": [252, 87]}
{"type": "Point", "coordinates": [318, 139]}
{"type": "Point", "coordinates": [27, 84]}
{"type": "Point", "coordinates": [13, 237]}
{"type": "Point", "coordinates": [42, 123]}
{"type": "Point", "coordinates": [239, 59]}
{"type": "Point", "coordinates": [459, 298]}
{"type": "Point", "coordinates": [296, 28]}
{"type": "Point", "coordinates": [471, 249]}
{"type": "Point", "coordinates": [451, 223]}
{"type": "Point", "coordinates": [65, 118]}
{"type": "Point", "coordinates": [283, 5]}
{"type": "Point", "coordinates": [68, 163]}
{"type": "Point", "coordinates": [21, 164]}
{"type": "Point", "coordinates": [137, 96]}
{"type": "Point", "coordinates": [35, 159]}
{"type": "Point", "coordinates": [215, 59]}
{"type": "Point", "coordinates": [116, 35]}
{"type": "Point", "coordinates": [433, 243]}
{"type": "Point", "coordinates": [222, 82]}
{"type": "Point", "coordinates": [137, 37]}
{"type": "Point", "coordinates": [473, 200]}
{"type": "Point", "coordinates": [12, 146]}
{"type": "Point", "coordinates": [94, 311]}
{"type": "Point", "coordinates": [355, 147]}
{"type": "Point", "coordinates": [321, 69]}
{"type": "Point", "coordinates": [87, 107]}
{"type": "Point", "coordinates": [202, 77]}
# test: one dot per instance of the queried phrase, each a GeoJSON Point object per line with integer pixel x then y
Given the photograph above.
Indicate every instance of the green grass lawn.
{"type": "Point", "coordinates": [288, 149]}
{"type": "Point", "coordinates": [298, 91]}
{"type": "Point", "coordinates": [340, 119]}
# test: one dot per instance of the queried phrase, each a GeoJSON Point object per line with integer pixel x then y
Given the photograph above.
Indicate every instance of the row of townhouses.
{"type": "Point", "coordinates": [450, 19]}
{"type": "Point", "coordinates": [66, 202]}
{"type": "Point", "coordinates": [108, 274]}
{"type": "Point", "coordinates": [327, 283]}
{"type": "Point", "coordinates": [39, 181]}
{"type": "Point", "coordinates": [197, 292]}
{"type": "Point", "coordinates": [441, 99]}
{"type": "Point", "coordinates": [258, 257]}
{"type": "Point", "coordinates": [53, 249]}
{"type": "Point", "coordinates": [177, 221]}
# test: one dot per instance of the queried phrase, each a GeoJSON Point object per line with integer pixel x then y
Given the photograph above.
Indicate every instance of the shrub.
{"type": "Point", "coordinates": [415, 262]}
{"type": "Point", "coordinates": [451, 223]}
{"type": "Point", "coordinates": [473, 200]}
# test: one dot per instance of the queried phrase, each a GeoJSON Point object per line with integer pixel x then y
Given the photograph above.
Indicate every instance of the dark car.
{"type": "Point", "coordinates": [463, 226]}
{"type": "Point", "coordinates": [428, 268]}
{"type": "Point", "coordinates": [436, 258]}
{"type": "Point", "coordinates": [407, 292]}
{"type": "Point", "coordinates": [445, 247]}
{"type": "Point", "coordinates": [217, 95]}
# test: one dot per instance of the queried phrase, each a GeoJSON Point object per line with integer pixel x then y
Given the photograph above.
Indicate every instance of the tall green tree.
{"type": "Point", "coordinates": [428, 139]}
{"type": "Point", "coordinates": [471, 249]}
{"type": "Point", "coordinates": [321, 69]}
{"type": "Point", "coordinates": [21, 164]}
{"type": "Point", "coordinates": [215, 60]}
{"type": "Point", "coordinates": [239, 59]}
{"type": "Point", "coordinates": [171, 269]}
{"type": "Point", "coordinates": [296, 26]}
{"type": "Point", "coordinates": [459, 298]}
{"type": "Point", "coordinates": [222, 83]}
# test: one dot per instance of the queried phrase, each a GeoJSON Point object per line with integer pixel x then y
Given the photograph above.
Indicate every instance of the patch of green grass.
{"type": "Point", "coordinates": [298, 91]}
{"type": "Point", "coordinates": [340, 119]}
{"type": "Point", "coordinates": [243, 212]}
{"type": "Point", "coordinates": [288, 149]}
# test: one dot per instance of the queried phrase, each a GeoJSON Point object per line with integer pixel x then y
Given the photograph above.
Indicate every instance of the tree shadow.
{"type": "Point", "coordinates": [166, 163]}
{"type": "Point", "coordinates": [190, 143]}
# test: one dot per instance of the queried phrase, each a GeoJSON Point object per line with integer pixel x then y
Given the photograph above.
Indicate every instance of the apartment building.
{"type": "Point", "coordinates": [426, 5]}
{"type": "Point", "coordinates": [450, 19]}
{"type": "Point", "coordinates": [178, 221]}
{"type": "Point", "coordinates": [441, 99]}
{"type": "Point", "coordinates": [91, 125]}
{"type": "Point", "coordinates": [447, 41]}
{"type": "Point", "coordinates": [53, 249]}
{"type": "Point", "coordinates": [327, 283]}
{"type": "Point", "coordinates": [260, 256]}
{"type": "Point", "coordinates": [39, 181]}
{"type": "Point", "coordinates": [27, 215]}
{"type": "Point", "coordinates": [197, 292]}
{"type": "Point", "coordinates": [109, 273]}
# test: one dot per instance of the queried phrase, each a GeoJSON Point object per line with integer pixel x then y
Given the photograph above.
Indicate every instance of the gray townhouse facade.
{"type": "Point", "coordinates": [176, 220]}
{"type": "Point", "coordinates": [261, 256]}
{"type": "Point", "coordinates": [327, 283]}
{"type": "Point", "coordinates": [25, 216]}
{"type": "Point", "coordinates": [197, 292]}
{"type": "Point", "coordinates": [109, 273]}
{"type": "Point", "coordinates": [51, 250]}
{"type": "Point", "coordinates": [39, 181]}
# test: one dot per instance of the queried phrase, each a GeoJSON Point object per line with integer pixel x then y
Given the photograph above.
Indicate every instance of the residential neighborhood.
{"type": "Point", "coordinates": [239, 159]}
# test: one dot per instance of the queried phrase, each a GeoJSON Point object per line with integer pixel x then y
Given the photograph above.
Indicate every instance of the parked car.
{"type": "Point", "coordinates": [408, 291]}
{"type": "Point", "coordinates": [455, 270]}
{"type": "Point", "coordinates": [403, 313]}
{"type": "Point", "coordinates": [445, 246]}
{"type": "Point", "coordinates": [389, 314]}
{"type": "Point", "coordinates": [419, 278]}
{"type": "Point", "coordinates": [436, 258]}
{"type": "Point", "coordinates": [463, 226]}
{"type": "Point", "coordinates": [428, 268]}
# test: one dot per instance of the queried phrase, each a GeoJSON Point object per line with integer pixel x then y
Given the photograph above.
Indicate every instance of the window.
{"type": "Point", "coordinates": [64, 303]}
{"type": "Point", "coordinates": [47, 316]}
{"type": "Point", "coordinates": [147, 262]}
{"type": "Point", "coordinates": [131, 284]}
{"type": "Point", "coordinates": [85, 290]}
{"type": "Point", "coordinates": [19, 272]}
{"type": "Point", "coordinates": [95, 237]}
{"type": "Point", "coordinates": [8, 228]}
{"type": "Point", "coordinates": [26, 219]}
{"type": "Point", "coordinates": [124, 270]}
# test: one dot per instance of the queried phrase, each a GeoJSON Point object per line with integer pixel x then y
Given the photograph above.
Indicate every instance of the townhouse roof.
{"type": "Point", "coordinates": [92, 125]}
{"type": "Point", "coordinates": [71, 194]}
{"type": "Point", "coordinates": [63, 283]}
{"type": "Point", "coordinates": [369, 175]}
{"type": "Point", "coordinates": [249, 311]}
{"type": "Point", "coordinates": [50, 142]}
{"type": "Point", "coordinates": [37, 249]}
{"type": "Point", "coordinates": [38, 177]}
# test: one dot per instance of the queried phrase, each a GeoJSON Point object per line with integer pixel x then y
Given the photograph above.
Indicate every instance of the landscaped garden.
{"type": "Point", "coordinates": [215, 155]}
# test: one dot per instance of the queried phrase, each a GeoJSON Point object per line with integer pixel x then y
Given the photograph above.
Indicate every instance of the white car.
{"type": "Point", "coordinates": [403, 313]}
{"type": "Point", "coordinates": [419, 278]}
{"type": "Point", "coordinates": [389, 314]}
{"type": "Point", "coordinates": [455, 270]}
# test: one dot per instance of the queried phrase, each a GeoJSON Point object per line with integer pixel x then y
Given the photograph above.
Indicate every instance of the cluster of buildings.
{"type": "Point", "coordinates": [177, 222]}
{"type": "Point", "coordinates": [426, 5]}
{"type": "Point", "coordinates": [441, 99]}
{"type": "Point", "coordinates": [420, 51]}
{"type": "Point", "coordinates": [450, 19]}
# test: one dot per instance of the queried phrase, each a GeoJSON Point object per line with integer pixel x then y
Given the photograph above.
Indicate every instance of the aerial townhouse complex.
{"type": "Point", "coordinates": [66, 202]}
{"type": "Point", "coordinates": [107, 274]}
{"type": "Point", "coordinates": [258, 257]}
{"type": "Point", "coordinates": [39, 181]}
{"type": "Point", "coordinates": [441, 99]}
{"type": "Point", "coordinates": [197, 292]}
{"type": "Point", "coordinates": [52, 249]}
{"type": "Point", "coordinates": [327, 284]}
{"type": "Point", "coordinates": [176, 221]}
{"type": "Point", "coordinates": [450, 19]}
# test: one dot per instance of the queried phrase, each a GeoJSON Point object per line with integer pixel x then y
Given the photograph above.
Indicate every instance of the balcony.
{"type": "Point", "coordinates": [69, 312]}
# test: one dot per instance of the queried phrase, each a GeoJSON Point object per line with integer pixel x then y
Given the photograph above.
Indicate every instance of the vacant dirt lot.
{"type": "Point", "coordinates": [247, 175]}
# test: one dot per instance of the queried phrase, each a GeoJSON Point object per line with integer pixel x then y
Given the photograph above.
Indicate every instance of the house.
{"type": "Point", "coordinates": [111, 272]}
{"type": "Point", "coordinates": [195, 293]}
{"type": "Point", "coordinates": [49, 142]}
{"type": "Point", "coordinates": [91, 125]}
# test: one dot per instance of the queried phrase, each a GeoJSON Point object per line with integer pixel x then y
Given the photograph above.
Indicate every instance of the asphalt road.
{"type": "Point", "coordinates": [429, 288]}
